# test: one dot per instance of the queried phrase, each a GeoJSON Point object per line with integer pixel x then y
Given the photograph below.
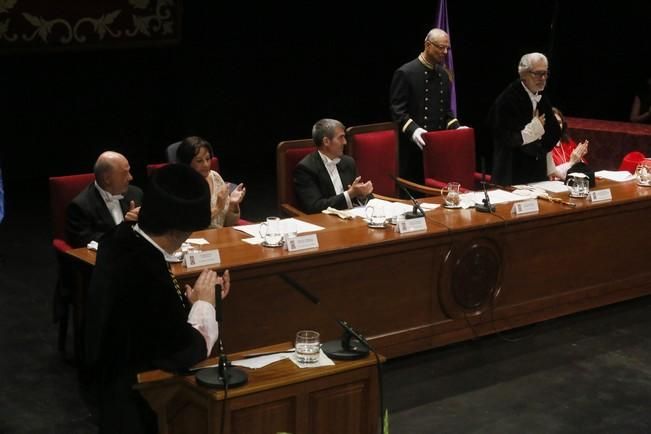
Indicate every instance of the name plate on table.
{"type": "Point", "coordinates": [302, 242]}
{"type": "Point", "coordinates": [201, 258]}
{"type": "Point", "coordinates": [525, 207]}
{"type": "Point", "coordinates": [412, 225]}
{"type": "Point", "coordinates": [601, 195]}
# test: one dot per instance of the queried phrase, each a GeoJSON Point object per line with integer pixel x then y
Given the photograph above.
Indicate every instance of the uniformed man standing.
{"type": "Point", "coordinates": [420, 101]}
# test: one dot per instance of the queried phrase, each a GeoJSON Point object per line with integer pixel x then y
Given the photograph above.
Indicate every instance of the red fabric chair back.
{"type": "Point", "coordinates": [214, 165]}
{"type": "Point", "coordinates": [375, 150]}
{"type": "Point", "coordinates": [62, 190]}
{"type": "Point", "coordinates": [288, 155]}
{"type": "Point", "coordinates": [449, 155]}
{"type": "Point", "coordinates": [631, 160]}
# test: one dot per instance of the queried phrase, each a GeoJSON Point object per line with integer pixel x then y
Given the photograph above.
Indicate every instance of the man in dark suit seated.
{"type": "Point", "coordinates": [326, 177]}
{"type": "Point", "coordinates": [105, 203]}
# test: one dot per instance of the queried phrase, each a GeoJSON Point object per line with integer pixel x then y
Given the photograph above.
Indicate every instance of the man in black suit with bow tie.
{"type": "Point", "coordinates": [105, 203]}
{"type": "Point", "coordinates": [523, 125]}
{"type": "Point", "coordinates": [326, 177]}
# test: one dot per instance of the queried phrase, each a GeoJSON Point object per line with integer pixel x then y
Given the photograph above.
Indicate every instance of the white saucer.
{"type": "Point", "coordinates": [576, 196]}
{"type": "Point", "coordinates": [380, 226]}
{"type": "Point", "coordinates": [266, 244]}
{"type": "Point", "coordinates": [641, 184]}
{"type": "Point", "coordinates": [452, 206]}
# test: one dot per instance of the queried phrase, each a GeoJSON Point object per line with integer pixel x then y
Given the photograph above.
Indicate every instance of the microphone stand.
{"type": "Point", "coordinates": [224, 375]}
{"type": "Point", "coordinates": [487, 206]}
{"type": "Point", "coordinates": [344, 349]}
{"type": "Point", "coordinates": [417, 211]}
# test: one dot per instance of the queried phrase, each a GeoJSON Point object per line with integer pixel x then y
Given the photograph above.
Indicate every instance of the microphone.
{"type": "Point", "coordinates": [352, 344]}
{"type": "Point", "coordinates": [224, 375]}
{"type": "Point", "coordinates": [415, 211]}
{"type": "Point", "coordinates": [486, 202]}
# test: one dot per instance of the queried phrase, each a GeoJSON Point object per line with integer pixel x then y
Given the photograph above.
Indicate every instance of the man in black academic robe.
{"type": "Point", "coordinates": [523, 126]}
{"type": "Point", "coordinates": [138, 316]}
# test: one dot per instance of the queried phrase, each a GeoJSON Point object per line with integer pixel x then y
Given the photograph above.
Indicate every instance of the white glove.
{"type": "Point", "coordinates": [417, 138]}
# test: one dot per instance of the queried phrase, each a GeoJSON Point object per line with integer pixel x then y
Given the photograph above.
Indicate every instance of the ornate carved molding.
{"type": "Point", "coordinates": [33, 24]}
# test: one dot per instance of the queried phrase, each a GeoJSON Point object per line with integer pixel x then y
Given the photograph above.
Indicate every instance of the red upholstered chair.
{"type": "Point", "coordinates": [631, 160]}
{"type": "Point", "coordinates": [288, 155]}
{"type": "Point", "coordinates": [375, 150]}
{"type": "Point", "coordinates": [449, 155]}
{"type": "Point", "coordinates": [214, 165]}
{"type": "Point", "coordinates": [63, 189]}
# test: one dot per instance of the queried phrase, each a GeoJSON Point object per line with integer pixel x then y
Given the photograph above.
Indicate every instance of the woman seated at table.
{"type": "Point", "coordinates": [225, 208]}
{"type": "Point", "coordinates": [566, 153]}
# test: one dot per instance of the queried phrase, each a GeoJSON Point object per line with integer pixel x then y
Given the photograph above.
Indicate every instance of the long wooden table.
{"type": "Point", "coordinates": [469, 274]}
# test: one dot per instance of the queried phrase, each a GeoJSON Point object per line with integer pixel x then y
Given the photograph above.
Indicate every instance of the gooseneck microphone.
{"type": "Point", "coordinates": [347, 348]}
{"type": "Point", "coordinates": [224, 375]}
{"type": "Point", "coordinates": [486, 205]}
{"type": "Point", "coordinates": [417, 211]}
{"type": "Point", "coordinates": [352, 345]}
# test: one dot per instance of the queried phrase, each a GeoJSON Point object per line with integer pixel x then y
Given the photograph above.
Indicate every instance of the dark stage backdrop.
{"type": "Point", "coordinates": [247, 76]}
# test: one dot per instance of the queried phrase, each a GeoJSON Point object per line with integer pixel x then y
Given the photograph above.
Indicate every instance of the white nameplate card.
{"type": "Point", "coordinates": [525, 207]}
{"type": "Point", "coordinates": [412, 225]}
{"type": "Point", "coordinates": [302, 242]}
{"type": "Point", "coordinates": [601, 195]}
{"type": "Point", "coordinates": [201, 258]}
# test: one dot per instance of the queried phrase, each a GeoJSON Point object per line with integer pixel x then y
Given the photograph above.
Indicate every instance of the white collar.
{"type": "Point", "coordinates": [329, 161]}
{"type": "Point", "coordinates": [168, 257]}
{"type": "Point", "coordinates": [108, 197]}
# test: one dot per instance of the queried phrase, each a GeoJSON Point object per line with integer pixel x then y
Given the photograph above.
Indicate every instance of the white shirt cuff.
{"type": "Point", "coordinates": [550, 164]}
{"type": "Point", "coordinates": [533, 131]}
{"type": "Point", "coordinates": [202, 318]}
{"type": "Point", "coordinates": [349, 202]}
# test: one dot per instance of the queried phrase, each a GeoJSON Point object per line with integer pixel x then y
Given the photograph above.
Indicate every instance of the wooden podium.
{"type": "Point", "coordinates": [280, 397]}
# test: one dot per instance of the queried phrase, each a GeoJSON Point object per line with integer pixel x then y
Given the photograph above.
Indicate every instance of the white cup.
{"type": "Point", "coordinates": [307, 346]}
{"type": "Point", "coordinates": [375, 215]}
{"type": "Point", "coordinates": [270, 231]}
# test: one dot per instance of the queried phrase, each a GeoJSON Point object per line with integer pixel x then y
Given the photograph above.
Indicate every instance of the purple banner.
{"type": "Point", "coordinates": [442, 23]}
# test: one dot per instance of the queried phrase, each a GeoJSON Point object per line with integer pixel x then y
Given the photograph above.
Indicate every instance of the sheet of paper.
{"type": "Point", "coordinates": [496, 196]}
{"type": "Point", "coordinates": [301, 227]}
{"type": "Point", "coordinates": [391, 209]}
{"type": "Point", "coordinates": [615, 175]}
{"type": "Point", "coordinates": [261, 361]}
{"type": "Point", "coordinates": [551, 186]}
{"type": "Point", "coordinates": [197, 241]}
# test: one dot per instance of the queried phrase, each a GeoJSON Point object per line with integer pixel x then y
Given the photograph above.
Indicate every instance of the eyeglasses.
{"type": "Point", "coordinates": [540, 74]}
{"type": "Point", "coordinates": [440, 46]}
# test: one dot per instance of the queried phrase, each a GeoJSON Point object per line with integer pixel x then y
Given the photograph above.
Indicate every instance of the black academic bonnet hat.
{"type": "Point", "coordinates": [581, 167]}
{"type": "Point", "coordinates": [177, 198]}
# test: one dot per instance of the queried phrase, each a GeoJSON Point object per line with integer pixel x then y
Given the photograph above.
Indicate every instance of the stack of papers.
{"type": "Point", "coordinates": [615, 175]}
{"type": "Point", "coordinates": [496, 196]}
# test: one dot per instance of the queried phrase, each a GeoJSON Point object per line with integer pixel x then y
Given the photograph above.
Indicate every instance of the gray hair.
{"type": "Point", "coordinates": [436, 34]}
{"type": "Point", "coordinates": [528, 60]}
{"type": "Point", "coordinates": [325, 128]}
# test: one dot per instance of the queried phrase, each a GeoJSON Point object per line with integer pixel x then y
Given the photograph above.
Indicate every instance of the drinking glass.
{"type": "Point", "coordinates": [451, 194]}
{"type": "Point", "coordinates": [307, 346]}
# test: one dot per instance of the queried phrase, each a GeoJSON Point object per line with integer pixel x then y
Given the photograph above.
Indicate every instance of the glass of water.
{"type": "Point", "coordinates": [307, 346]}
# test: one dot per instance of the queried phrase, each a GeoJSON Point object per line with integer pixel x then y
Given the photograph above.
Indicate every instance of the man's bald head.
{"type": "Point", "coordinates": [112, 172]}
